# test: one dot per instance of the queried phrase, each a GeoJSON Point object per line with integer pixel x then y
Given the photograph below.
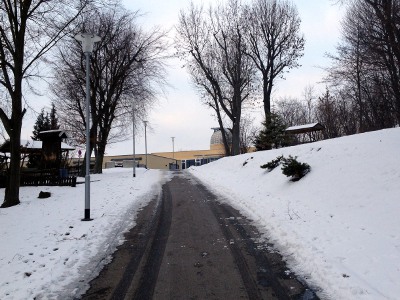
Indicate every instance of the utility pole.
{"type": "Point", "coordinates": [145, 139]}
{"type": "Point", "coordinates": [173, 149]}
{"type": "Point", "coordinates": [133, 133]}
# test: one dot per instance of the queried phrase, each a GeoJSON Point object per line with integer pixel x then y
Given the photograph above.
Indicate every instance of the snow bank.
{"type": "Point", "coordinates": [338, 227]}
{"type": "Point", "coordinates": [47, 252]}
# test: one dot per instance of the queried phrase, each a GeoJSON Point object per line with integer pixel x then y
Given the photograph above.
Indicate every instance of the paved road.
{"type": "Point", "coordinates": [187, 245]}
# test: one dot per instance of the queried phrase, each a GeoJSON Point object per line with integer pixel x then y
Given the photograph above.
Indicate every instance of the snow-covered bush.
{"type": "Point", "coordinates": [293, 168]}
{"type": "Point", "coordinates": [272, 164]}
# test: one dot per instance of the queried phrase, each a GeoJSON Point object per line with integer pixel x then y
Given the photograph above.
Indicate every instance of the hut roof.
{"type": "Point", "coordinates": [32, 146]}
{"type": "Point", "coordinates": [305, 128]}
{"type": "Point", "coordinates": [53, 133]}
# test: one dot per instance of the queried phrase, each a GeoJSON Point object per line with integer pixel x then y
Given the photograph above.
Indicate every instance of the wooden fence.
{"type": "Point", "coordinates": [43, 178]}
{"type": "Point", "coordinates": [50, 180]}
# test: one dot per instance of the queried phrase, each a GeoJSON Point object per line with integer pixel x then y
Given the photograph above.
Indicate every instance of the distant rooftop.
{"type": "Point", "coordinates": [305, 128]}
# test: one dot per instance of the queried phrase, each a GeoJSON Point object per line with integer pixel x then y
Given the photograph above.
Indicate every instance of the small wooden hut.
{"type": "Point", "coordinates": [51, 148]}
{"type": "Point", "coordinates": [306, 133]}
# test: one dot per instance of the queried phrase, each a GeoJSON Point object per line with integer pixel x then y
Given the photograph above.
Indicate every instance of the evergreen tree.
{"type": "Point", "coordinates": [53, 118]}
{"type": "Point", "coordinates": [273, 134]}
{"type": "Point", "coordinates": [44, 122]}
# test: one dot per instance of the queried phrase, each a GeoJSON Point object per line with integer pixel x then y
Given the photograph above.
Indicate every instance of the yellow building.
{"type": "Point", "coordinates": [172, 160]}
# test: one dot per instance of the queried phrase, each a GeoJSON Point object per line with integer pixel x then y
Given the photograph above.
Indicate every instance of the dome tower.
{"type": "Point", "coordinates": [216, 141]}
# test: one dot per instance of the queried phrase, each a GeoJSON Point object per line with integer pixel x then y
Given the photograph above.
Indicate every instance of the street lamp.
{"type": "Point", "coordinates": [133, 133]}
{"type": "Point", "coordinates": [173, 149]}
{"type": "Point", "coordinates": [87, 40]}
{"type": "Point", "coordinates": [145, 139]}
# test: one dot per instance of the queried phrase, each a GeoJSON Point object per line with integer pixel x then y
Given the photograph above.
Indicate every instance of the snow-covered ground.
{"type": "Point", "coordinates": [47, 252]}
{"type": "Point", "coordinates": [339, 225]}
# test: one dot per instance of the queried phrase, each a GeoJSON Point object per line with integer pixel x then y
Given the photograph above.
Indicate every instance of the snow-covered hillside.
{"type": "Point", "coordinates": [339, 225]}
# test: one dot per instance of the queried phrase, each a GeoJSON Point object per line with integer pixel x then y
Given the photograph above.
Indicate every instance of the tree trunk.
{"type": "Point", "coordinates": [267, 90]}
{"type": "Point", "coordinates": [236, 115]}
{"type": "Point", "coordinates": [92, 144]}
{"type": "Point", "coordinates": [82, 169]}
{"type": "Point", "coordinates": [11, 196]}
{"type": "Point", "coordinates": [236, 138]}
{"type": "Point", "coordinates": [98, 165]}
{"type": "Point", "coordinates": [221, 126]}
{"type": "Point", "coordinates": [13, 127]}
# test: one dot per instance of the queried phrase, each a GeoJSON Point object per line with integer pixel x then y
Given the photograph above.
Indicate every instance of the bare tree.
{"type": "Point", "coordinates": [366, 69]}
{"type": "Point", "coordinates": [309, 98]}
{"type": "Point", "coordinates": [213, 46]}
{"type": "Point", "coordinates": [384, 41]}
{"type": "Point", "coordinates": [127, 65]}
{"type": "Point", "coordinates": [28, 30]}
{"type": "Point", "coordinates": [248, 133]}
{"type": "Point", "coordinates": [275, 42]}
{"type": "Point", "coordinates": [292, 111]}
{"type": "Point", "coordinates": [327, 114]}
{"type": "Point", "coordinates": [195, 47]}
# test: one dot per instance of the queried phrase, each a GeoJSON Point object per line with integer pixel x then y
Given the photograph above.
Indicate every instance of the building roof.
{"type": "Point", "coordinates": [53, 133]}
{"type": "Point", "coordinates": [305, 128]}
{"type": "Point", "coordinates": [31, 146]}
{"type": "Point", "coordinates": [191, 154]}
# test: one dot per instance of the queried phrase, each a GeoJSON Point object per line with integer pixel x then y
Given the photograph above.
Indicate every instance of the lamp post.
{"type": "Point", "coordinates": [87, 40]}
{"type": "Point", "coordinates": [145, 139]}
{"type": "Point", "coordinates": [133, 133]}
{"type": "Point", "coordinates": [173, 149]}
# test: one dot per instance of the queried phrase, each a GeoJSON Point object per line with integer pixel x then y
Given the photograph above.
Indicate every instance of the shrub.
{"type": "Point", "coordinates": [273, 134]}
{"type": "Point", "coordinates": [272, 164]}
{"type": "Point", "coordinates": [291, 167]}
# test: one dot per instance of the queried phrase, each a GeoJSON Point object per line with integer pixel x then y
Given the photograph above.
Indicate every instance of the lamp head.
{"type": "Point", "coordinates": [88, 40]}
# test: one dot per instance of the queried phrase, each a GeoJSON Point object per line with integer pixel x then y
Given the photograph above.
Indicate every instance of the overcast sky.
{"type": "Point", "coordinates": [183, 116]}
{"type": "Point", "coordinates": [180, 113]}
